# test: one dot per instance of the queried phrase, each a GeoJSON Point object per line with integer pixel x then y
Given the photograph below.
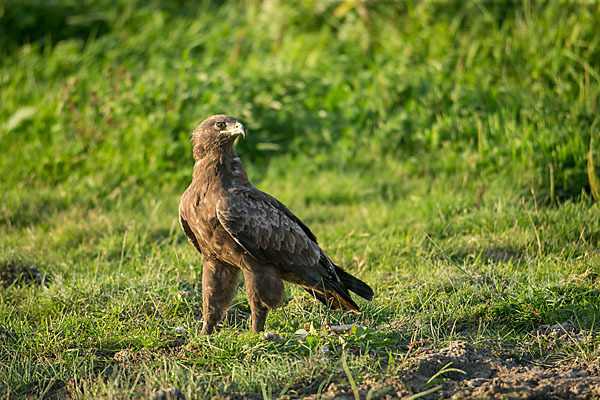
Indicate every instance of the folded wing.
{"type": "Point", "coordinates": [273, 235]}
{"type": "Point", "coordinates": [270, 233]}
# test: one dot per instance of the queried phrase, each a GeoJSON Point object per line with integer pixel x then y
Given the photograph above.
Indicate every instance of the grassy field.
{"type": "Point", "coordinates": [446, 154]}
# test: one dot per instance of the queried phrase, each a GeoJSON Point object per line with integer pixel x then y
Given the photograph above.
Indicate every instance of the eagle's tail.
{"type": "Point", "coordinates": [334, 293]}
{"type": "Point", "coordinates": [354, 284]}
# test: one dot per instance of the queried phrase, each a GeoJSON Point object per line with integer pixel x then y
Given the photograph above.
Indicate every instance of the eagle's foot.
{"type": "Point", "coordinates": [259, 317]}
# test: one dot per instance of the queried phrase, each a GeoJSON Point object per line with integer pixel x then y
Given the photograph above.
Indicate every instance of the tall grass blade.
{"type": "Point", "coordinates": [350, 378]}
{"type": "Point", "coordinates": [591, 172]}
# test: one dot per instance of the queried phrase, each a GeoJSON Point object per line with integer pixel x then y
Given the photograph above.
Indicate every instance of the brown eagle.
{"type": "Point", "coordinates": [237, 227]}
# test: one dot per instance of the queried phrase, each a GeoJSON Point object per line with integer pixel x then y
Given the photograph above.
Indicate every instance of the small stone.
{"type": "Point", "coordinates": [180, 330]}
{"type": "Point", "coordinates": [341, 328]}
{"type": "Point", "coordinates": [474, 382]}
{"type": "Point", "coordinates": [272, 336]}
{"type": "Point", "coordinates": [301, 333]}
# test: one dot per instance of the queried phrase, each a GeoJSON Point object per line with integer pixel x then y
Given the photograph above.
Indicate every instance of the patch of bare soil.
{"type": "Point", "coordinates": [486, 376]}
{"type": "Point", "coordinates": [490, 376]}
{"type": "Point", "coordinates": [16, 272]}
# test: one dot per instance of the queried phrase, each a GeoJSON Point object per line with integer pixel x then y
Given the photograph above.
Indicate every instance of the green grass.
{"type": "Point", "coordinates": [439, 153]}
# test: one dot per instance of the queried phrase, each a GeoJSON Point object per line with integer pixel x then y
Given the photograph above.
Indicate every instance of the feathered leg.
{"type": "Point", "coordinates": [264, 290]}
{"type": "Point", "coordinates": [219, 281]}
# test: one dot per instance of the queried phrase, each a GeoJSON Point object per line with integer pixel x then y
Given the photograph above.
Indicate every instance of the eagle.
{"type": "Point", "coordinates": [237, 227]}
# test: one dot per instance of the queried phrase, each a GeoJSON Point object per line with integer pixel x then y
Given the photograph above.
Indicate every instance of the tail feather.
{"type": "Point", "coordinates": [333, 299]}
{"type": "Point", "coordinates": [334, 293]}
{"type": "Point", "coordinates": [354, 284]}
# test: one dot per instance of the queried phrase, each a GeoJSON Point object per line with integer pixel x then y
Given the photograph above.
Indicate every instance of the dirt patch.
{"type": "Point", "coordinates": [18, 273]}
{"type": "Point", "coordinates": [553, 339]}
{"type": "Point", "coordinates": [486, 375]}
{"type": "Point", "coordinates": [492, 376]}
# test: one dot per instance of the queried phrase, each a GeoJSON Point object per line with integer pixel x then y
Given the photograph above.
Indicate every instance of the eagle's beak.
{"type": "Point", "coordinates": [238, 130]}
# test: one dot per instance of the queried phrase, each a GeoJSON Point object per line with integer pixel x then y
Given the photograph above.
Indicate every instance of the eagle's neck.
{"type": "Point", "coordinates": [220, 168]}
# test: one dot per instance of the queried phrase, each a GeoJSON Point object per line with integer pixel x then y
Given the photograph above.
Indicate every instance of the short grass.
{"type": "Point", "coordinates": [447, 156]}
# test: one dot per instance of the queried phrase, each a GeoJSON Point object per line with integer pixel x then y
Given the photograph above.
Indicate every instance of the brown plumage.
{"type": "Point", "coordinates": [237, 227]}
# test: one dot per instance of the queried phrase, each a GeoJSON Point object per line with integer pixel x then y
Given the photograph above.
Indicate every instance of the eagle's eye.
{"type": "Point", "coordinates": [221, 124]}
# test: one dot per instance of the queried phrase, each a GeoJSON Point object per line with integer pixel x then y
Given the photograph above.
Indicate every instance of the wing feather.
{"type": "Point", "coordinates": [270, 233]}
{"type": "Point", "coordinates": [189, 233]}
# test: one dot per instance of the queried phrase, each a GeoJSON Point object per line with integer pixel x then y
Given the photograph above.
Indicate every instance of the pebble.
{"type": "Point", "coordinates": [272, 336]}
{"type": "Point", "coordinates": [180, 330]}
{"type": "Point", "coordinates": [301, 333]}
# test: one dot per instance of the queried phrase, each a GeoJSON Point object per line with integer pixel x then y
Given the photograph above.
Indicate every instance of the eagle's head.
{"type": "Point", "coordinates": [216, 133]}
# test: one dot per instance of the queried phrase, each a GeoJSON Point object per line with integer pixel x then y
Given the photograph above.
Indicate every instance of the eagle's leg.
{"type": "Point", "coordinates": [264, 290]}
{"type": "Point", "coordinates": [219, 281]}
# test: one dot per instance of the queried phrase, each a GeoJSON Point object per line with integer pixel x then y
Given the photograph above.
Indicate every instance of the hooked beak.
{"type": "Point", "coordinates": [238, 130]}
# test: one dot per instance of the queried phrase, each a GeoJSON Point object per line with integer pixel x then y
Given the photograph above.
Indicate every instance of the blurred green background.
{"type": "Point", "coordinates": [96, 95]}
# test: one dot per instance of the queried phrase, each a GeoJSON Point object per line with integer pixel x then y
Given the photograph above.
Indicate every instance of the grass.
{"type": "Point", "coordinates": [440, 153]}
